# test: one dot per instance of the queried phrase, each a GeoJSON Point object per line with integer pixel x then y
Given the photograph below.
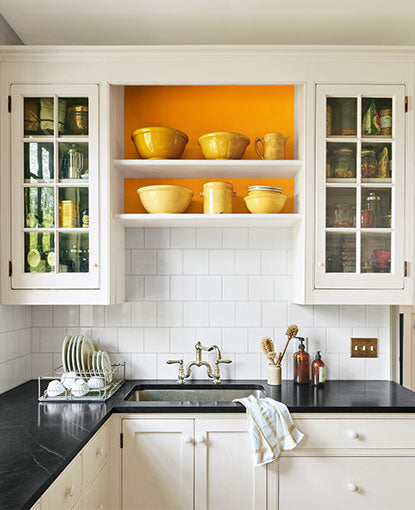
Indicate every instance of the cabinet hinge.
{"type": "Point", "coordinates": [405, 268]}
{"type": "Point", "coordinates": [406, 104]}
{"type": "Point", "coordinates": [10, 104]}
{"type": "Point", "coordinates": [121, 440]}
{"type": "Point", "coordinates": [10, 268]}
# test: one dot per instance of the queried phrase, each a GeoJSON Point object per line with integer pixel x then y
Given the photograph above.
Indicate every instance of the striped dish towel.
{"type": "Point", "coordinates": [270, 427]}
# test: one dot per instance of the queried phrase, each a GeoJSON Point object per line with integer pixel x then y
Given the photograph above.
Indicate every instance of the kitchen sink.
{"type": "Point", "coordinates": [194, 393]}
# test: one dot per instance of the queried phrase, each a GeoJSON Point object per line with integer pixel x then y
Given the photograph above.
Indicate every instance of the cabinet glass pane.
{"type": "Point", "coordinates": [341, 207]}
{"type": "Point", "coordinates": [76, 121]}
{"type": "Point", "coordinates": [376, 252]}
{"type": "Point", "coordinates": [39, 116]}
{"type": "Point", "coordinates": [73, 161]}
{"type": "Point", "coordinates": [376, 208]}
{"type": "Point", "coordinates": [341, 162]}
{"type": "Point", "coordinates": [38, 162]}
{"type": "Point", "coordinates": [39, 252]}
{"type": "Point", "coordinates": [340, 252]}
{"type": "Point", "coordinates": [376, 116]}
{"type": "Point", "coordinates": [341, 117]}
{"type": "Point", "coordinates": [376, 162]}
{"type": "Point", "coordinates": [39, 204]}
{"type": "Point", "coordinates": [73, 253]}
{"type": "Point", "coordinates": [73, 208]}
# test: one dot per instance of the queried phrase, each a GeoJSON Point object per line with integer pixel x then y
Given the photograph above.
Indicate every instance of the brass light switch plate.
{"type": "Point", "coordinates": [363, 347]}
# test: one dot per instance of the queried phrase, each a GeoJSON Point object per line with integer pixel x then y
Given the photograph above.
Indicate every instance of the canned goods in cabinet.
{"type": "Point", "coordinates": [67, 213]}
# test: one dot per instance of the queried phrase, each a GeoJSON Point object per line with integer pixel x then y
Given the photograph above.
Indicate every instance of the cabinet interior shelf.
{"type": "Point", "coordinates": [203, 168]}
{"type": "Point", "coordinates": [208, 220]}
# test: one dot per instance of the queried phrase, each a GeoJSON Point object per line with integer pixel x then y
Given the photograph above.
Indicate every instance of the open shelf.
{"type": "Point", "coordinates": [208, 220]}
{"type": "Point", "coordinates": [204, 168]}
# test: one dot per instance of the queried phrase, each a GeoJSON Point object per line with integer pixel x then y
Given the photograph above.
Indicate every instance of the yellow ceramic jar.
{"type": "Point", "coordinates": [217, 198]}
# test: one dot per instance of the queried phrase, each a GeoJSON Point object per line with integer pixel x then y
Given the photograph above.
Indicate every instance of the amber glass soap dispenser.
{"type": "Point", "coordinates": [301, 364]}
{"type": "Point", "coordinates": [318, 371]}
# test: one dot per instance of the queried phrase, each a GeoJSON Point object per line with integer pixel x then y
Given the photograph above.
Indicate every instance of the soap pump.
{"type": "Point", "coordinates": [301, 364]}
{"type": "Point", "coordinates": [318, 370]}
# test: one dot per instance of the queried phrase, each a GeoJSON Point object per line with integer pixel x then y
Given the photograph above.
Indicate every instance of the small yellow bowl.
{"type": "Point", "coordinates": [265, 203]}
{"type": "Point", "coordinates": [165, 198]}
{"type": "Point", "coordinates": [223, 145]}
{"type": "Point", "coordinates": [159, 142]}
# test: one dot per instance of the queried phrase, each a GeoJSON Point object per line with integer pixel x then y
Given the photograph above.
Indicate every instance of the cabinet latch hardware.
{"type": "Point", "coordinates": [10, 268]}
{"type": "Point", "coordinates": [405, 268]}
{"type": "Point", "coordinates": [121, 440]}
{"type": "Point", "coordinates": [406, 104]}
{"type": "Point", "coordinates": [9, 104]}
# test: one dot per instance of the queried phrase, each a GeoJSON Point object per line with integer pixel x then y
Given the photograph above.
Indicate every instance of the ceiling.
{"type": "Point", "coordinates": [379, 22]}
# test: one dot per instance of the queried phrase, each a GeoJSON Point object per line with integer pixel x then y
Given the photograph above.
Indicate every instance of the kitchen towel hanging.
{"type": "Point", "coordinates": [271, 428]}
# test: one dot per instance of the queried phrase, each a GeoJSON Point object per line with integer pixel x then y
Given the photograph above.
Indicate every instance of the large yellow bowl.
{"type": "Point", "coordinates": [265, 203]}
{"type": "Point", "coordinates": [165, 198]}
{"type": "Point", "coordinates": [223, 145]}
{"type": "Point", "coordinates": [159, 142]}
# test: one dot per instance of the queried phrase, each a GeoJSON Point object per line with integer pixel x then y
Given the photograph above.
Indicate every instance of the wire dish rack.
{"type": "Point", "coordinates": [113, 380]}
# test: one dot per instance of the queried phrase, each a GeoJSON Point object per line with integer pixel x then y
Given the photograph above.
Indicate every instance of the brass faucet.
{"type": "Point", "coordinates": [184, 373]}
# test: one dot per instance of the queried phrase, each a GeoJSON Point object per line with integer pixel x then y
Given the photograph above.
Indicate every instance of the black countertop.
{"type": "Point", "coordinates": [39, 440]}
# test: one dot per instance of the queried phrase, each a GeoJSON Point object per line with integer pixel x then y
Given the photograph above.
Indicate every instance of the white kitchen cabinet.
{"type": "Point", "coordinates": [97, 496]}
{"type": "Point", "coordinates": [225, 476]}
{"type": "Point", "coordinates": [361, 208]}
{"type": "Point", "coordinates": [157, 465]}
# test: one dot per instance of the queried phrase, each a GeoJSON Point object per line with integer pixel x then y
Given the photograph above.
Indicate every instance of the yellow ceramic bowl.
{"type": "Point", "coordinates": [265, 203]}
{"type": "Point", "coordinates": [223, 145]}
{"type": "Point", "coordinates": [165, 198]}
{"type": "Point", "coordinates": [159, 142]}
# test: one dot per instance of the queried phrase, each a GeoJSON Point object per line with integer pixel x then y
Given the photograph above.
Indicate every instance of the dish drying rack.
{"type": "Point", "coordinates": [116, 376]}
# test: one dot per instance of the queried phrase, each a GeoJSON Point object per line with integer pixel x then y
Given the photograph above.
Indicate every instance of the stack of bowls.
{"type": "Point", "coordinates": [265, 199]}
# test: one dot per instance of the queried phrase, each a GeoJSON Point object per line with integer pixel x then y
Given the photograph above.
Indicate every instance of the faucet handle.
{"type": "Point", "coordinates": [227, 361]}
{"type": "Point", "coordinates": [173, 361]}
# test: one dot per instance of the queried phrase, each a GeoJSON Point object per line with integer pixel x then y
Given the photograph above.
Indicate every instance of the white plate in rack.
{"type": "Point", "coordinates": [106, 366]}
{"type": "Point", "coordinates": [87, 351]}
{"type": "Point", "coordinates": [73, 354]}
{"type": "Point", "coordinates": [69, 354]}
{"type": "Point", "coordinates": [65, 346]}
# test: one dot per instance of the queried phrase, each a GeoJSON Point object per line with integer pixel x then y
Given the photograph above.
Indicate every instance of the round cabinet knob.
{"type": "Point", "coordinates": [352, 487]}
{"type": "Point", "coordinates": [187, 438]}
{"type": "Point", "coordinates": [353, 434]}
{"type": "Point", "coordinates": [321, 264]}
{"type": "Point", "coordinates": [100, 450]}
{"type": "Point", "coordinates": [70, 491]}
{"type": "Point", "coordinates": [200, 439]}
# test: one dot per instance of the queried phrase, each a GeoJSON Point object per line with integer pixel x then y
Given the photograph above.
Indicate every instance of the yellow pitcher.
{"type": "Point", "coordinates": [274, 146]}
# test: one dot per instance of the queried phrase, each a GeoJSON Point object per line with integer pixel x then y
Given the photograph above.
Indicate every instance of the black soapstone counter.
{"type": "Point", "coordinates": [37, 441]}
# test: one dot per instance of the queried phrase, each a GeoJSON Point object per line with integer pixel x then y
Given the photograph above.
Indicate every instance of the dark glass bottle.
{"type": "Point", "coordinates": [301, 364]}
{"type": "Point", "coordinates": [318, 371]}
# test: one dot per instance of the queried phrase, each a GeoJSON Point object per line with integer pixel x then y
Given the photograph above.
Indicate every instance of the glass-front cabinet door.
{"type": "Point", "coordinates": [360, 205]}
{"type": "Point", "coordinates": [54, 176]}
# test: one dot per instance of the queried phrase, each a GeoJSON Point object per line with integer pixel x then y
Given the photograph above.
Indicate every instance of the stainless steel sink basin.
{"type": "Point", "coordinates": [194, 394]}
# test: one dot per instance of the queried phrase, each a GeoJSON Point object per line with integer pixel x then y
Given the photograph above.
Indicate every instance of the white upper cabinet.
{"type": "Point", "coordinates": [360, 204]}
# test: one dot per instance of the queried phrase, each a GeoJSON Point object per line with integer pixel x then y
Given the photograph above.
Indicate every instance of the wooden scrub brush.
{"type": "Point", "coordinates": [267, 345]}
{"type": "Point", "coordinates": [291, 332]}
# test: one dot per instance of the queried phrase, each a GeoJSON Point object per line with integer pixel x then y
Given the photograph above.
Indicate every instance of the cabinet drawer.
{"type": "Point", "coordinates": [344, 483]}
{"type": "Point", "coordinates": [97, 497]}
{"type": "Point", "coordinates": [95, 454]}
{"type": "Point", "coordinates": [67, 487]}
{"type": "Point", "coordinates": [357, 433]}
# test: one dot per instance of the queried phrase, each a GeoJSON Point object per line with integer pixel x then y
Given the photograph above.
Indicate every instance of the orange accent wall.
{"type": "Point", "coordinates": [249, 109]}
{"type": "Point", "coordinates": [132, 203]}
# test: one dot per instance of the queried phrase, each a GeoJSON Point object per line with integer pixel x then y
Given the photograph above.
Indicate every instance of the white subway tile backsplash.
{"type": "Point", "coordinates": [338, 340]}
{"type": "Point", "coordinates": [195, 262]}
{"type": "Point", "coordinates": [209, 336]}
{"type": "Point", "coordinates": [209, 238]}
{"type": "Point", "coordinates": [316, 339]}
{"type": "Point", "coordinates": [51, 339]}
{"type": "Point", "coordinates": [41, 364]}
{"type": "Point", "coordinates": [283, 288]}
{"type": "Point", "coordinates": [235, 288]}
{"type": "Point", "coordinates": [332, 362]}
{"type": "Point", "coordinates": [283, 238]}
{"type": "Point", "coordinates": [157, 238]}
{"type": "Point", "coordinates": [134, 238]}
{"type": "Point", "coordinates": [165, 371]}
{"type": "Point", "coordinates": [327, 316]}
{"type": "Point", "coordinates": [255, 335]}
{"type": "Point", "coordinates": [261, 288]}
{"type": "Point", "coordinates": [130, 340]}
{"type": "Point", "coordinates": [183, 288]}
{"type": "Point", "coordinates": [221, 262]}
{"type": "Point", "coordinates": [196, 314]}
{"type": "Point", "coordinates": [170, 314]}
{"type": "Point", "coordinates": [143, 366]}
{"type": "Point", "coordinates": [182, 340]}
{"type": "Point", "coordinates": [274, 262]}
{"type": "Point", "coordinates": [143, 262]}
{"type": "Point", "coordinates": [248, 314]}
{"type": "Point", "coordinates": [262, 238]}
{"type": "Point", "coordinates": [107, 338]}
{"type": "Point", "coordinates": [183, 238]}
{"type": "Point", "coordinates": [127, 262]}
{"type": "Point", "coordinates": [156, 340]}
{"type": "Point", "coordinates": [235, 238]}
{"type": "Point", "coordinates": [209, 288]}
{"type": "Point", "coordinates": [144, 314]}
{"type": "Point", "coordinates": [302, 315]}
{"type": "Point", "coordinates": [234, 340]}
{"type": "Point", "coordinates": [134, 288]}
{"type": "Point", "coordinates": [119, 315]}
{"type": "Point", "coordinates": [377, 368]}
{"type": "Point", "coordinates": [93, 315]}
{"type": "Point", "coordinates": [222, 314]}
{"type": "Point", "coordinates": [247, 262]}
{"type": "Point", "coordinates": [169, 262]}
{"type": "Point", "coordinates": [274, 314]}
{"type": "Point", "coordinates": [377, 316]}
{"type": "Point", "coordinates": [352, 368]}
{"type": "Point", "coordinates": [248, 366]}
{"type": "Point", "coordinates": [41, 316]}
{"type": "Point", "coordinates": [352, 316]}
{"type": "Point", "coordinates": [156, 288]}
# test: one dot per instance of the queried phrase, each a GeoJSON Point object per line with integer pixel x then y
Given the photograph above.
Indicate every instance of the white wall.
{"type": "Point", "coordinates": [225, 286]}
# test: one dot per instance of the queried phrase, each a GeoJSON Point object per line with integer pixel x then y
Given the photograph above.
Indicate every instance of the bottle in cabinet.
{"type": "Point", "coordinates": [301, 364]}
{"type": "Point", "coordinates": [318, 371]}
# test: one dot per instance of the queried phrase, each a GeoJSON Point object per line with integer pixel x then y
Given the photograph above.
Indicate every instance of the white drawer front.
{"type": "Point", "coordinates": [67, 487]}
{"type": "Point", "coordinates": [97, 497]}
{"type": "Point", "coordinates": [95, 454]}
{"type": "Point", "coordinates": [357, 433]}
{"type": "Point", "coordinates": [345, 483]}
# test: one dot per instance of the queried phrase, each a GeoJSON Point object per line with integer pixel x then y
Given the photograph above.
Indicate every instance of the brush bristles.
{"type": "Point", "coordinates": [292, 331]}
{"type": "Point", "coordinates": [267, 346]}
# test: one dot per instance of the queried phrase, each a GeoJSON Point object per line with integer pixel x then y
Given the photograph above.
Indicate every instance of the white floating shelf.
{"type": "Point", "coordinates": [208, 220]}
{"type": "Point", "coordinates": [204, 168]}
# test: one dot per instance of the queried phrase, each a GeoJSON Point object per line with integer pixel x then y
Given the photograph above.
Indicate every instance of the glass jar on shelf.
{"type": "Point", "coordinates": [374, 204]}
{"type": "Point", "coordinates": [369, 163]}
{"type": "Point", "coordinates": [344, 165]}
{"type": "Point", "coordinates": [348, 116]}
{"type": "Point", "coordinates": [343, 216]}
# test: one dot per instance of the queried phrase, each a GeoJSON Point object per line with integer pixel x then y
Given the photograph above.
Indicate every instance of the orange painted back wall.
{"type": "Point", "coordinates": [196, 110]}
